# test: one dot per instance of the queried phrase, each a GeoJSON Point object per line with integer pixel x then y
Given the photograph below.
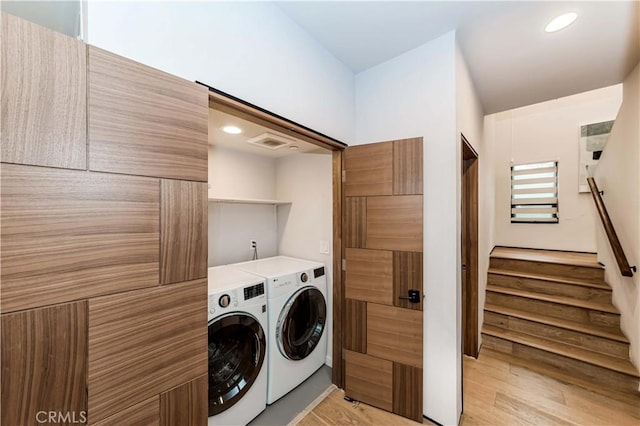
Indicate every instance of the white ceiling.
{"type": "Point", "coordinates": [513, 62]}
{"type": "Point", "coordinates": [219, 138]}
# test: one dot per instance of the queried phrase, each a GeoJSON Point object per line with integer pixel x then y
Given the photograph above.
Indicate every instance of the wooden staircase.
{"type": "Point", "coordinates": [554, 309]}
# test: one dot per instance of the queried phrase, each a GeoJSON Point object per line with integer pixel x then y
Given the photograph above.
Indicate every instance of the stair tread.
{"type": "Point", "coordinates": [589, 260]}
{"type": "Point", "coordinates": [557, 322]}
{"type": "Point", "coordinates": [570, 301]}
{"type": "Point", "coordinates": [552, 278]}
{"type": "Point", "coordinates": [595, 358]}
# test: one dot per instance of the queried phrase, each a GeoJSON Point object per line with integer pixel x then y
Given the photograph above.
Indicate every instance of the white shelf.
{"type": "Point", "coordinates": [247, 201]}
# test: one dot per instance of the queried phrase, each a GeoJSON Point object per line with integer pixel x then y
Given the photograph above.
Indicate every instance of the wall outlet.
{"type": "Point", "coordinates": [253, 243]}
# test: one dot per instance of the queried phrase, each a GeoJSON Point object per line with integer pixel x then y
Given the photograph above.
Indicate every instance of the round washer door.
{"type": "Point", "coordinates": [237, 347]}
{"type": "Point", "coordinates": [301, 323]}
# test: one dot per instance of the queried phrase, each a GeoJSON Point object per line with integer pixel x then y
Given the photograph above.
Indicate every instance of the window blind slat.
{"type": "Point", "coordinates": [527, 210]}
{"type": "Point", "coordinates": [533, 191]}
{"type": "Point", "coordinates": [530, 201]}
{"type": "Point", "coordinates": [533, 171]}
{"type": "Point", "coordinates": [532, 181]}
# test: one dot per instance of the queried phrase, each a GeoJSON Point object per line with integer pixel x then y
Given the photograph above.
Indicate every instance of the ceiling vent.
{"type": "Point", "coordinates": [270, 141]}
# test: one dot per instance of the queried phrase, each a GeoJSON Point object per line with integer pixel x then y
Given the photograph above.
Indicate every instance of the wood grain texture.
{"type": "Point", "coordinates": [612, 236]}
{"type": "Point", "coordinates": [605, 377]}
{"type": "Point", "coordinates": [394, 334]}
{"type": "Point", "coordinates": [560, 334]}
{"type": "Point", "coordinates": [407, 275]}
{"type": "Point", "coordinates": [69, 235]}
{"type": "Point", "coordinates": [145, 122]}
{"type": "Point", "coordinates": [145, 342]}
{"type": "Point", "coordinates": [394, 223]}
{"type": "Point", "coordinates": [355, 325]}
{"type": "Point", "coordinates": [334, 410]}
{"type": "Point", "coordinates": [183, 235]}
{"type": "Point", "coordinates": [368, 170]}
{"type": "Point", "coordinates": [469, 251]}
{"type": "Point", "coordinates": [369, 275]}
{"type": "Point", "coordinates": [407, 391]}
{"type": "Point", "coordinates": [538, 395]}
{"type": "Point", "coordinates": [185, 405]}
{"type": "Point", "coordinates": [44, 93]}
{"type": "Point", "coordinates": [550, 285]}
{"type": "Point", "coordinates": [355, 222]}
{"type": "Point", "coordinates": [145, 413]}
{"type": "Point", "coordinates": [369, 379]}
{"type": "Point", "coordinates": [407, 166]}
{"type": "Point", "coordinates": [337, 372]}
{"type": "Point", "coordinates": [44, 362]}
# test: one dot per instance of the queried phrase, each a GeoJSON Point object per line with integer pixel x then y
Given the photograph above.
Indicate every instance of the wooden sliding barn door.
{"type": "Point", "coordinates": [382, 235]}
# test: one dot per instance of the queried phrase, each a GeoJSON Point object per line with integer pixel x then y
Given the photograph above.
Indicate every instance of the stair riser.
{"type": "Point", "coordinates": [552, 287]}
{"type": "Point", "coordinates": [604, 376]}
{"type": "Point", "coordinates": [568, 271]}
{"type": "Point", "coordinates": [586, 316]}
{"type": "Point", "coordinates": [559, 334]}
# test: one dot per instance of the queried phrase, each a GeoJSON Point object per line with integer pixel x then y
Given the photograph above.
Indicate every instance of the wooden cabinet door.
{"type": "Point", "coordinates": [44, 96]}
{"type": "Point", "coordinates": [145, 122]}
{"type": "Point", "coordinates": [382, 233]}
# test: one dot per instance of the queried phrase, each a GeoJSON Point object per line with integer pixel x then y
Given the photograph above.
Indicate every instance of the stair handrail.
{"type": "Point", "coordinates": [618, 252]}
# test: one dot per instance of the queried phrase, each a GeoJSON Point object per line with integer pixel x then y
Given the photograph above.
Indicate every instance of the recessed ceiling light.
{"type": "Point", "coordinates": [232, 129]}
{"type": "Point", "coordinates": [293, 147]}
{"type": "Point", "coordinates": [561, 22]}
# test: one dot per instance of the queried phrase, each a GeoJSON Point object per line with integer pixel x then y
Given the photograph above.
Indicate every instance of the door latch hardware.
{"type": "Point", "coordinates": [413, 297]}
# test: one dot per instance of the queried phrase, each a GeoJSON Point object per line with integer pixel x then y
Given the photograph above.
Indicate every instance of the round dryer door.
{"type": "Point", "coordinates": [301, 323]}
{"type": "Point", "coordinates": [237, 348]}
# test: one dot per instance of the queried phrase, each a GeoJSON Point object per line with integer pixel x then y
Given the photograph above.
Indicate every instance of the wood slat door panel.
{"type": "Point", "coordinates": [145, 342]}
{"type": "Point", "coordinates": [44, 362]}
{"type": "Point", "coordinates": [407, 382]}
{"type": "Point", "coordinates": [382, 236]}
{"type": "Point", "coordinates": [185, 405]}
{"type": "Point", "coordinates": [369, 170]}
{"type": "Point", "coordinates": [44, 93]}
{"type": "Point", "coordinates": [395, 334]}
{"type": "Point", "coordinates": [369, 379]}
{"type": "Point", "coordinates": [145, 413]}
{"type": "Point", "coordinates": [355, 222]}
{"type": "Point", "coordinates": [183, 236]}
{"type": "Point", "coordinates": [369, 275]}
{"type": "Point", "coordinates": [407, 275]}
{"type": "Point", "coordinates": [355, 325]}
{"type": "Point", "coordinates": [394, 223]}
{"type": "Point", "coordinates": [69, 235]}
{"type": "Point", "coordinates": [407, 167]}
{"type": "Point", "coordinates": [145, 122]}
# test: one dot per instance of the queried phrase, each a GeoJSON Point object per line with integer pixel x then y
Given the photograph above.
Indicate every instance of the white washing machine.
{"type": "Point", "coordinates": [296, 301]}
{"type": "Point", "coordinates": [238, 347]}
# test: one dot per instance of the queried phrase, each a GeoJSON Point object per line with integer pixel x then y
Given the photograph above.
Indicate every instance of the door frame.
{"type": "Point", "coordinates": [469, 247]}
{"type": "Point", "coordinates": [235, 106]}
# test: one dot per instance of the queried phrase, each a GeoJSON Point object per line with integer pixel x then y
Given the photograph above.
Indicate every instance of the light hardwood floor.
{"type": "Point", "coordinates": [498, 391]}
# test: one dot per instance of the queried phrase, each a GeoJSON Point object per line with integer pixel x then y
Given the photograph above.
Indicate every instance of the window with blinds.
{"type": "Point", "coordinates": [534, 193]}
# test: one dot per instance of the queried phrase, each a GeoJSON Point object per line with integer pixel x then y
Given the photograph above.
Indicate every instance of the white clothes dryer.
{"type": "Point", "coordinates": [238, 347]}
{"type": "Point", "coordinates": [296, 302]}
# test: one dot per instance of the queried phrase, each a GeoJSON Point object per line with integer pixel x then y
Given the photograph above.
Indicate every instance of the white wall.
{"type": "Point", "coordinates": [618, 175]}
{"type": "Point", "coordinates": [470, 122]}
{"type": "Point", "coordinates": [549, 131]}
{"type": "Point", "coordinates": [413, 95]}
{"type": "Point", "coordinates": [234, 174]}
{"type": "Point", "coordinates": [251, 50]}
{"type": "Point", "coordinates": [306, 223]}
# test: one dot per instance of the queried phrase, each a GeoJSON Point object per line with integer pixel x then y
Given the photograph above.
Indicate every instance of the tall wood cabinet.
{"type": "Point", "coordinates": [103, 234]}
